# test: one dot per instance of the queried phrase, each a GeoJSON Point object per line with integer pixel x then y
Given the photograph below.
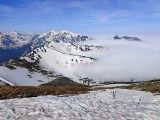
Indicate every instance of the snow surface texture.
{"type": "Point", "coordinates": [96, 105]}
{"type": "Point", "coordinates": [53, 58]}
{"type": "Point", "coordinates": [21, 76]}
{"type": "Point", "coordinates": [3, 81]}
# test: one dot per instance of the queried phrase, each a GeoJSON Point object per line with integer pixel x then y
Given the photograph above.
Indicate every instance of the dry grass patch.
{"type": "Point", "coordinates": [7, 92]}
{"type": "Point", "coordinates": [152, 86]}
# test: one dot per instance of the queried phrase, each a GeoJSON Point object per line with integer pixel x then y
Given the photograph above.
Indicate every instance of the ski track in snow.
{"type": "Point", "coordinates": [96, 105]}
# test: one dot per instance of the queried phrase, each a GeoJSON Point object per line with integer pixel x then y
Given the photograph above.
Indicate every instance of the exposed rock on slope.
{"type": "Point", "coordinates": [61, 81]}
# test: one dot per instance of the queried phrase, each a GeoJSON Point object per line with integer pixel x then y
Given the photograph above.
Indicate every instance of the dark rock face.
{"type": "Point", "coordinates": [61, 81]}
{"type": "Point", "coordinates": [127, 38]}
{"type": "Point", "coordinates": [116, 37]}
{"type": "Point", "coordinates": [131, 38]}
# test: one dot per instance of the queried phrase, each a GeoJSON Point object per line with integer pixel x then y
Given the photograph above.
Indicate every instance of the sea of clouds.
{"type": "Point", "coordinates": [121, 60]}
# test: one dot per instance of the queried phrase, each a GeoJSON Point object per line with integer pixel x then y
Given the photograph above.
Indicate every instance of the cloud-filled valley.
{"type": "Point", "coordinates": [121, 60]}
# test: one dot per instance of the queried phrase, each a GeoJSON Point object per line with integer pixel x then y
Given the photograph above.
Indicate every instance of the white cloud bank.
{"type": "Point", "coordinates": [121, 60]}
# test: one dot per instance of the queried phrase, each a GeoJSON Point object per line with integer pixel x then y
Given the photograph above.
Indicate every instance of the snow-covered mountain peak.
{"type": "Point", "coordinates": [13, 33]}
{"type": "Point", "coordinates": [67, 32]}
{"type": "Point", "coordinates": [52, 32]}
{"type": "Point", "coordinates": [27, 41]}
{"type": "Point", "coordinates": [64, 36]}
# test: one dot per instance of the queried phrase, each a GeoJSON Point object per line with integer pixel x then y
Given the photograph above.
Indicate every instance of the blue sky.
{"type": "Point", "coordinates": [81, 16]}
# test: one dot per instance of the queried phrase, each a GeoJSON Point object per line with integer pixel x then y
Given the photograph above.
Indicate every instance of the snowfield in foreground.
{"type": "Point", "coordinates": [96, 105]}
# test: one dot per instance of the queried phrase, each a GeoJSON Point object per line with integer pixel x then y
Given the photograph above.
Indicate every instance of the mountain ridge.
{"type": "Point", "coordinates": [23, 43]}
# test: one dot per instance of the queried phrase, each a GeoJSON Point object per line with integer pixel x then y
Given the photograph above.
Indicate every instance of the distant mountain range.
{"type": "Point", "coordinates": [14, 44]}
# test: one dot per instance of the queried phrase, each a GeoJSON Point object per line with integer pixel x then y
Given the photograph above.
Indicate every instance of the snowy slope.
{"type": "Point", "coordinates": [68, 47]}
{"type": "Point", "coordinates": [4, 81]}
{"type": "Point", "coordinates": [96, 105]}
{"type": "Point", "coordinates": [57, 57]}
{"type": "Point", "coordinates": [22, 77]}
